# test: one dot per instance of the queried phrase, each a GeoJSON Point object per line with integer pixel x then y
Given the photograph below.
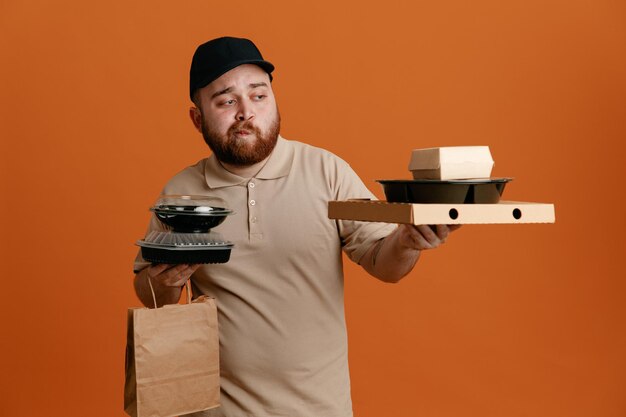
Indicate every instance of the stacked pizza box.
{"type": "Point", "coordinates": [450, 185]}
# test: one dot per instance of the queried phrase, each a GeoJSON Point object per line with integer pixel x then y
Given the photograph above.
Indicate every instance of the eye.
{"type": "Point", "coordinates": [259, 97]}
{"type": "Point", "coordinates": [228, 102]}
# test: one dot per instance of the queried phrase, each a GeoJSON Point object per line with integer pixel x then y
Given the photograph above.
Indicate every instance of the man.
{"type": "Point", "coordinates": [280, 297]}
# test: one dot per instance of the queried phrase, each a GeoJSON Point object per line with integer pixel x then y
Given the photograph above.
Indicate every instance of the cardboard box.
{"type": "Point", "coordinates": [504, 212]}
{"type": "Point", "coordinates": [451, 163]}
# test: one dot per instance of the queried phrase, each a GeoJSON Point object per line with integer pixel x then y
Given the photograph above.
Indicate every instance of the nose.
{"type": "Point", "coordinates": [244, 111]}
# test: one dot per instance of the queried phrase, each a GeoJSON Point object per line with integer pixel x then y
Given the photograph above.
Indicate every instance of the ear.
{"type": "Point", "coordinates": [196, 118]}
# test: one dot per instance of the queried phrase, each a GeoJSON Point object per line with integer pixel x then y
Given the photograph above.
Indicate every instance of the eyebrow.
{"type": "Point", "coordinates": [224, 91]}
{"type": "Point", "coordinates": [230, 89]}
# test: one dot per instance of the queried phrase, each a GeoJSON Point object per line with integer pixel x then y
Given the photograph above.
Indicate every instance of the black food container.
{"type": "Point", "coordinates": [181, 255]}
{"type": "Point", "coordinates": [423, 191]}
{"type": "Point", "coordinates": [190, 214]}
{"type": "Point", "coordinates": [185, 248]}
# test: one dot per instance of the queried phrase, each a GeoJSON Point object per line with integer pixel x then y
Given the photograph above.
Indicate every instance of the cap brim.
{"type": "Point", "coordinates": [265, 65]}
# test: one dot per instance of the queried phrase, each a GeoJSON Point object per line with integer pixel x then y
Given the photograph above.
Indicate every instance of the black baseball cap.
{"type": "Point", "coordinates": [218, 56]}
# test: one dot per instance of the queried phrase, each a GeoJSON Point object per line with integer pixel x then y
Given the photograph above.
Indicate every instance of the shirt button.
{"type": "Point", "coordinates": [253, 220]}
{"type": "Point", "coordinates": [252, 202]}
{"type": "Point", "coordinates": [251, 184]}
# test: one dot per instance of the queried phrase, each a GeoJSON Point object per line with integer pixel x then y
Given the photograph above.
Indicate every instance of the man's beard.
{"type": "Point", "coordinates": [237, 151]}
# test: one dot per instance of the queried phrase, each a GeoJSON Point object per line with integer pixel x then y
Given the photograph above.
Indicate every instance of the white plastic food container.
{"type": "Point", "coordinates": [451, 163]}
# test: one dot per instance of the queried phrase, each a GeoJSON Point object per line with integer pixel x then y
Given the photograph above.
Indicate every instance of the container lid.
{"type": "Point", "coordinates": [190, 205]}
{"type": "Point", "coordinates": [173, 240]}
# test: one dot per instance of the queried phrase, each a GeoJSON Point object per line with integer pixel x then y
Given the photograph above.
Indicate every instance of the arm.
{"type": "Point", "coordinates": [392, 258]}
{"type": "Point", "coordinates": [167, 281]}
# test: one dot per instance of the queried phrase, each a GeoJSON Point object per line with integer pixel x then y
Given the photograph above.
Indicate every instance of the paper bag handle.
{"type": "Point", "coordinates": [187, 290]}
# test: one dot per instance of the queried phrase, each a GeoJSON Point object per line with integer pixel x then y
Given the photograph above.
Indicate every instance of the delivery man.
{"type": "Point", "coordinates": [283, 344]}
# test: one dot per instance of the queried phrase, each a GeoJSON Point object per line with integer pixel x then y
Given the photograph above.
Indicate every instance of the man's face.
{"type": "Point", "coordinates": [239, 117]}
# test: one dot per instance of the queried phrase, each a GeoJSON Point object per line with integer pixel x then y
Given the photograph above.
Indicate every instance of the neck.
{"type": "Point", "coordinates": [248, 171]}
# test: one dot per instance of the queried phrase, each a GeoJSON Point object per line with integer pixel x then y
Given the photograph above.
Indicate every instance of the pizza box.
{"type": "Point", "coordinates": [504, 212]}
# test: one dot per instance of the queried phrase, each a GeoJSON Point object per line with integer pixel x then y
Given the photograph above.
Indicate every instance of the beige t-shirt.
{"type": "Point", "coordinates": [283, 347]}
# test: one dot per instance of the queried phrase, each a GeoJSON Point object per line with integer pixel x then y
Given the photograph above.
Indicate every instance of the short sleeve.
{"type": "Point", "coordinates": [356, 237]}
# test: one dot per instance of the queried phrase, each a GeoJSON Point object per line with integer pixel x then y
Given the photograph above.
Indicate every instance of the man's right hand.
{"type": "Point", "coordinates": [167, 275]}
{"type": "Point", "coordinates": [167, 281]}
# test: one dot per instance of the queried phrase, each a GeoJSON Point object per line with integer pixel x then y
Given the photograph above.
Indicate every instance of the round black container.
{"type": "Point", "coordinates": [186, 219]}
{"type": "Point", "coordinates": [424, 191]}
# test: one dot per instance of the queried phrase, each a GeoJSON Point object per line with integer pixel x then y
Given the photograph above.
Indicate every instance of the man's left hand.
{"type": "Point", "coordinates": [424, 237]}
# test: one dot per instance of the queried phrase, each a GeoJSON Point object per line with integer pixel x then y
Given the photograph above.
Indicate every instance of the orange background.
{"type": "Point", "coordinates": [502, 321]}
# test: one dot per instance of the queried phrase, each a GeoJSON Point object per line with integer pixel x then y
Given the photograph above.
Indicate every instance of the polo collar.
{"type": "Point", "coordinates": [278, 165]}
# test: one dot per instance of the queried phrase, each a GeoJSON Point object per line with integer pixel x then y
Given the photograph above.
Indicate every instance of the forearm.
{"type": "Point", "coordinates": [164, 294]}
{"type": "Point", "coordinates": [395, 256]}
{"type": "Point", "coordinates": [389, 259]}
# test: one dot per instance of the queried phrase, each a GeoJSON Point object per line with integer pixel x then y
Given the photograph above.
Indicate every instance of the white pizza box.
{"type": "Point", "coordinates": [504, 212]}
{"type": "Point", "coordinates": [451, 163]}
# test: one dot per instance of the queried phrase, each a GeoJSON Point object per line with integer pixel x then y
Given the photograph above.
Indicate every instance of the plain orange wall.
{"type": "Point", "coordinates": [502, 321]}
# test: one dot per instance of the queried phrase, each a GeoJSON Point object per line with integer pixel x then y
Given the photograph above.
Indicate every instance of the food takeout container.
{"type": "Point", "coordinates": [487, 191]}
{"type": "Point", "coordinates": [189, 213]}
{"type": "Point", "coordinates": [451, 163]}
{"type": "Point", "coordinates": [188, 248]}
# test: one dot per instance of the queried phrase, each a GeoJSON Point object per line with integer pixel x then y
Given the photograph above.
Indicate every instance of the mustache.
{"type": "Point", "coordinates": [244, 126]}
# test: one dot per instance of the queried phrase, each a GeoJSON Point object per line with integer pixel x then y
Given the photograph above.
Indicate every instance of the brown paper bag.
{"type": "Point", "coordinates": [172, 359]}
